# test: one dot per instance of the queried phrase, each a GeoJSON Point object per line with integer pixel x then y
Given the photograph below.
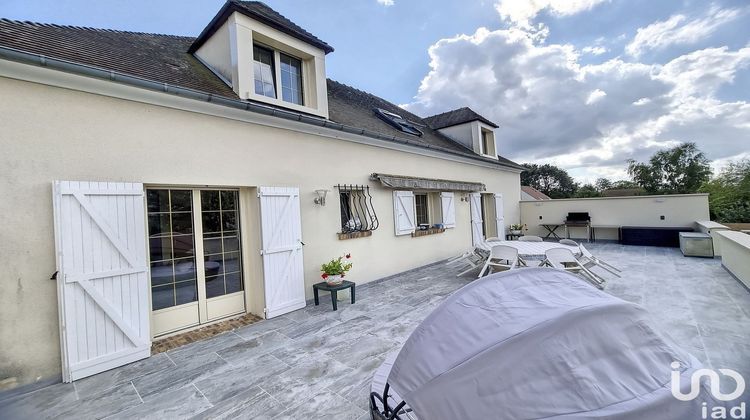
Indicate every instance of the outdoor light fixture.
{"type": "Point", "coordinates": [321, 198]}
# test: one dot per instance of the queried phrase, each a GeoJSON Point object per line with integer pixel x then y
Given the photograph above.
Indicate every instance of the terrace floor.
{"type": "Point", "coordinates": [316, 363]}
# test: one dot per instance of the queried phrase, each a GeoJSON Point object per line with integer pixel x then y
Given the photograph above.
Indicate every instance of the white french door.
{"type": "Point", "coordinates": [195, 256]}
{"type": "Point", "coordinates": [477, 224]}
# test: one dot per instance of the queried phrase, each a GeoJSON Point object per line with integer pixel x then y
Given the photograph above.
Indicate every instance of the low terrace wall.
{"type": "Point", "coordinates": [735, 257]}
{"type": "Point", "coordinates": [678, 210]}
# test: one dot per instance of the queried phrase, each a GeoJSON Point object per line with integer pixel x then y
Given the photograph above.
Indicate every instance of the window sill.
{"type": "Point", "coordinates": [430, 231]}
{"type": "Point", "coordinates": [354, 235]}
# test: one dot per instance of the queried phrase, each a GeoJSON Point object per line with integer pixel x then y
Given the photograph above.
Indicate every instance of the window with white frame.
{"type": "Point", "coordinates": [265, 63]}
{"type": "Point", "coordinates": [422, 208]}
{"type": "Point", "coordinates": [264, 71]}
{"type": "Point", "coordinates": [488, 142]}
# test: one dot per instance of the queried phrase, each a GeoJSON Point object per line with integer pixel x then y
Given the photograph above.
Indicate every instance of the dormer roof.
{"type": "Point", "coordinates": [262, 13]}
{"type": "Point", "coordinates": [456, 117]}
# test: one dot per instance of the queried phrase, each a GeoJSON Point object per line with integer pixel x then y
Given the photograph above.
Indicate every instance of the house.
{"type": "Point", "coordinates": [532, 194]}
{"type": "Point", "coordinates": [156, 183]}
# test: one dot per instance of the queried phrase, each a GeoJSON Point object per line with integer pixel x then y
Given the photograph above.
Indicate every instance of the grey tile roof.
{"type": "Point", "coordinates": [455, 117]}
{"type": "Point", "coordinates": [161, 58]}
{"type": "Point", "coordinates": [263, 13]}
{"type": "Point", "coordinates": [164, 59]}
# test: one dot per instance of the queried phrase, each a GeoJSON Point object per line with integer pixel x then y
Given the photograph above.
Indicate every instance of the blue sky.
{"type": "Point", "coordinates": [582, 84]}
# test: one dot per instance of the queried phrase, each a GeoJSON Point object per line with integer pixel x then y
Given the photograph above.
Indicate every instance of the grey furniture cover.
{"type": "Point", "coordinates": [540, 343]}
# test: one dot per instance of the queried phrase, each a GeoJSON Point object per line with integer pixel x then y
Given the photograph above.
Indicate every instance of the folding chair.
{"type": "Point", "coordinates": [501, 256]}
{"type": "Point", "coordinates": [563, 259]}
{"type": "Point", "coordinates": [530, 238]}
{"type": "Point", "coordinates": [588, 260]}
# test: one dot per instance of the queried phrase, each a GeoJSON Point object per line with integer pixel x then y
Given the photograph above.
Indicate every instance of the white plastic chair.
{"type": "Point", "coordinates": [501, 256]}
{"type": "Point", "coordinates": [568, 242]}
{"type": "Point", "coordinates": [530, 238]}
{"type": "Point", "coordinates": [563, 259]}
{"type": "Point", "coordinates": [589, 260]}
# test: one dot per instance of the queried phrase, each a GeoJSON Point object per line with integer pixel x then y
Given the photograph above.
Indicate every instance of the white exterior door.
{"type": "Point", "coordinates": [499, 218]}
{"type": "Point", "coordinates": [282, 250]}
{"type": "Point", "coordinates": [103, 287]}
{"type": "Point", "coordinates": [477, 227]}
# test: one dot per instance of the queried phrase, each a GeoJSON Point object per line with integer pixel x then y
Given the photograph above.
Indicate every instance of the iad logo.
{"type": "Point", "coordinates": [736, 412]}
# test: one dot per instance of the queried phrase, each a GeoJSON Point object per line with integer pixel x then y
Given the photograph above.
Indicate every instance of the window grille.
{"type": "Point", "coordinates": [357, 211]}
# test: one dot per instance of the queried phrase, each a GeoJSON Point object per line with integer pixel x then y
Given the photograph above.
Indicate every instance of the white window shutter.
{"type": "Point", "coordinates": [103, 280]}
{"type": "Point", "coordinates": [403, 212]}
{"type": "Point", "coordinates": [448, 207]}
{"type": "Point", "coordinates": [477, 224]}
{"type": "Point", "coordinates": [499, 218]}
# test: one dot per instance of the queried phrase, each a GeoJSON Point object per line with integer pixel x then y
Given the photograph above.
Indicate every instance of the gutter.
{"type": "Point", "coordinates": [40, 60]}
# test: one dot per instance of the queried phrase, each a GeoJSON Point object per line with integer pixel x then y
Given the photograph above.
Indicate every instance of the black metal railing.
{"type": "Point", "coordinates": [357, 211]}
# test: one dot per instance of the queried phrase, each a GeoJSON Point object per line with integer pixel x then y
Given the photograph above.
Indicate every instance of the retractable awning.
{"type": "Point", "coordinates": [417, 183]}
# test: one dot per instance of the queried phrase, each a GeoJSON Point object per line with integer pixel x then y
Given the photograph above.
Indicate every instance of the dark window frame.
{"type": "Point", "coordinates": [259, 77]}
{"type": "Point", "coordinates": [300, 82]}
{"type": "Point", "coordinates": [422, 210]}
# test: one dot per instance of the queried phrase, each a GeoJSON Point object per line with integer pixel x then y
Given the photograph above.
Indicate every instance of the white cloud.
{"type": "Point", "coordinates": [386, 2]}
{"type": "Point", "coordinates": [679, 30]}
{"type": "Point", "coordinates": [522, 12]}
{"type": "Point", "coordinates": [595, 96]}
{"type": "Point", "coordinates": [586, 118]}
{"type": "Point", "coordinates": [594, 50]}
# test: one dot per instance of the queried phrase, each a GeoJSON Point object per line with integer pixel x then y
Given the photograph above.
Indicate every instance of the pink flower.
{"type": "Point", "coordinates": [325, 276]}
{"type": "Point", "coordinates": [348, 256]}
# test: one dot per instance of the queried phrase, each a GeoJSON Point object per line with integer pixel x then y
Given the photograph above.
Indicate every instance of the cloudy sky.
{"type": "Point", "coordinates": [584, 84]}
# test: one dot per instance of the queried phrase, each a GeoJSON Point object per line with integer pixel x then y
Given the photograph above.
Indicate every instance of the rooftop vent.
{"type": "Point", "coordinates": [399, 122]}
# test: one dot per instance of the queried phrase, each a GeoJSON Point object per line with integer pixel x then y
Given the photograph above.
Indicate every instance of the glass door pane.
{"type": "Point", "coordinates": [171, 247]}
{"type": "Point", "coordinates": [221, 242]}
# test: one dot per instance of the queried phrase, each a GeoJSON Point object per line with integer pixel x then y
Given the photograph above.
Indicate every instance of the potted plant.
{"type": "Point", "coordinates": [517, 229]}
{"type": "Point", "coordinates": [335, 270]}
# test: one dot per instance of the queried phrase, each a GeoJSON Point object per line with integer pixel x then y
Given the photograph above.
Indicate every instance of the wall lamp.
{"type": "Point", "coordinates": [321, 198]}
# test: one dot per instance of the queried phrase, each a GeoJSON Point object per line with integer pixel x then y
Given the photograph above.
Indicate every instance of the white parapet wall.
{"type": "Point", "coordinates": [677, 210]}
{"type": "Point", "coordinates": [735, 255]}
{"type": "Point", "coordinates": [712, 228]}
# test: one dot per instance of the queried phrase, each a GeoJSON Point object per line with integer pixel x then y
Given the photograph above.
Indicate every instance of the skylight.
{"type": "Point", "coordinates": [399, 122]}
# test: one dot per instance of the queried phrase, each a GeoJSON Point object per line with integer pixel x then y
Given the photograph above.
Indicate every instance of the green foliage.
{"type": "Point", "coordinates": [587, 190]}
{"type": "Point", "coordinates": [337, 266]}
{"type": "Point", "coordinates": [729, 193]}
{"type": "Point", "coordinates": [549, 179]}
{"type": "Point", "coordinates": [679, 170]}
{"type": "Point", "coordinates": [602, 184]}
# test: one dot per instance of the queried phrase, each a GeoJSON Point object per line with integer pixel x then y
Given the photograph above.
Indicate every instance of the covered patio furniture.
{"type": "Point", "coordinates": [536, 344]}
{"type": "Point", "coordinates": [570, 242]}
{"type": "Point", "coordinates": [501, 256]}
{"type": "Point", "coordinates": [589, 260]}
{"type": "Point", "coordinates": [530, 238]}
{"type": "Point", "coordinates": [563, 259]}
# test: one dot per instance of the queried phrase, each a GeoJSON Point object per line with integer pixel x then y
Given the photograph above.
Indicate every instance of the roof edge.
{"type": "Point", "coordinates": [65, 66]}
{"type": "Point", "coordinates": [230, 7]}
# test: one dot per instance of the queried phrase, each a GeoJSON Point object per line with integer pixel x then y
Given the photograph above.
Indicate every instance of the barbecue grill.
{"type": "Point", "coordinates": [578, 219]}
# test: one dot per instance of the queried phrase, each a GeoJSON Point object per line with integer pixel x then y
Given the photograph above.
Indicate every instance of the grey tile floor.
{"type": "Point", "coordinates": [316, 363]}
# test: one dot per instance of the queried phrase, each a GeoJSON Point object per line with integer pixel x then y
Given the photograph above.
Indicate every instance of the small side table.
{"type": "Point", "coordinates": [333, 289]}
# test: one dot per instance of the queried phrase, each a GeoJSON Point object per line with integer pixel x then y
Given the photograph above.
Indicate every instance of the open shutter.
{"type": "Point", "coordinates": [281, 225]}
{"type": "Point", "coordinates": [102, 280]}
{"type": "Point", "coordinates": [403, 212]}
{"type": "Point", "coordinates": [477, 229]}
{"type": "Point", "coordinates": [448, 208]}
{"type": "Point", "coordinates": [499, 218]}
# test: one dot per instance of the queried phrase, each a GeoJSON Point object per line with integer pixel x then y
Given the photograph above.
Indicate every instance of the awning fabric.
{"type": "Point", "coordinates": [417, 183]}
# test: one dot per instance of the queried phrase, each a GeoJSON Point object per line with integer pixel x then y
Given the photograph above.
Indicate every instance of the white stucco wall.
{"type": "Point", "coordinates": [678, 210]}
{"type": "Point", "coordinates": [735, 255]}
{"type": "Point", "coordinates": [216, 52]}
{"type": "Point", "coordinates": [58, 134]}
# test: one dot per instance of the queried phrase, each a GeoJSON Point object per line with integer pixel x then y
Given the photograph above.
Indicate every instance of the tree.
{"type": "Point", "coordinates": [549, 179]}
{"type": "Point", "coordinates": [679, 170]}
{"type": "Point", "coordinates": [602, 184]}
{"type": "Point", "coordinates": [587, 190]}
{"type": "Point", "coordinates": [729, 193]}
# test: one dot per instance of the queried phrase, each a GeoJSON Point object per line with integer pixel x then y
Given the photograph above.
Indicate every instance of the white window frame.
{"type": "Point", "coordinates": [277, 75]}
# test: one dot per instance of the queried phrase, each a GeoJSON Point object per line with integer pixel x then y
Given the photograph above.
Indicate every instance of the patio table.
{"type": "Point", "coordinates": [534, 250]}
{"type": "Point", "coordinates": [551, 228]}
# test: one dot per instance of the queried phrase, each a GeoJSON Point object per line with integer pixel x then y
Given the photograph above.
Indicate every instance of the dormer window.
{"type": "Point", "coordinates": [487, 140]}
{"type": "Point", "coordinates": [399, 122]}
{"type": "Point", "coordinates": [264, 71]}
